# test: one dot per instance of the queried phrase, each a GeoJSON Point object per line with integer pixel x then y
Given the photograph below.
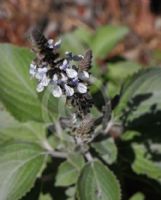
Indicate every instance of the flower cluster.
{"type": "Point", "coordinates": [67, 76]}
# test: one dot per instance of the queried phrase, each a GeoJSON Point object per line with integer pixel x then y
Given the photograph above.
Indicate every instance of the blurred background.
{"type": "Point", "coordinates": [142, 17]}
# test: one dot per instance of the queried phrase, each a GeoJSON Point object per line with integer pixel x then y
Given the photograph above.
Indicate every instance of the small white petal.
{"type": "Point", "coordinates": [63, 78]}
{"type": "Point", "coordinates": [71, 73]}
{"type": "Point", "coordinates": [40, 87]}
{"type": "Point", "coordinates": [57, 91]}
{"type": "Point", "coordinates": [32, 66]}
{"type": "Point", "coordinates": [42, 70]}
{"type": "Point", "coordinates": [69, 90]}
{"type": "Point", "coordinates": [55, 77]}
{"type": "Point", "coordinates": [65, 62]}
{"type": "Point", "coordinates": [57, 44]}
{"type": "Point", "coordinates": [39, 76]}
{"type": "Point", "coordinates": [82, 88]}
{"type": "Point", "coordinates": [67, 53]}
{"type": "Point", "coordinates": [51, 43]}
{"type": "Point", "coordinates": [32, 72]}
{"type": "Point", "coordinates": [64, 65]}
{"type": "Point", "coordinates": [84, 76]}
{"type": "Point", "coordinates": [74, 118]}
{"type": "Point", "coordinates": [45, 81]}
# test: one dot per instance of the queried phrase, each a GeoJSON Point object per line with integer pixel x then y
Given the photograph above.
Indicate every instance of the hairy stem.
{"type": "Point", "coordinates": [52, 152]}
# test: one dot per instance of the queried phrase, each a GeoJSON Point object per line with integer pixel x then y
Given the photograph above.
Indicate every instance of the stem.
{"type": "Point", "coordinates": [57, 154]}
{"type": "Point", "coordinates": [88, 156]}
{"type": "Point", "coordinates": [53, 153]}
{"type": "Point", "coordinates": [58, 130]}
{"type": "Point", "coordinates": [108, 127]}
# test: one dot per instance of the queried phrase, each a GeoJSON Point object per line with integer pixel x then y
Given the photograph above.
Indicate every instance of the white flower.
{"type": "Point", "coordinates": [55, 78]}
{"type": "Point", "coordinates": [40, 73]}
{"type": "Point", "coordinates": [64, 65]}
{"type": "Point", "coordinates": [32, 70]}
{"type": "Point", "coordinates": [81, 88]}
{"type": "Point", "coordinates": [71, 73]}
{"type": "Point", "coordinates": [40, 87]}
{"type": "Point", "coordinates": [51, 43]}
{"type": "Point", "coordinates": [63, 78]}
{"type": "Point", "coordinates": [57, 91]}
{"type": "Point", "coordinates": [83, 75]}
{"type": "Point", "coordinates": [42, 70]}
{"type": "Point", "coordinates": [69, 91]}
{"type": "Point", "coordinates": [45, 81]}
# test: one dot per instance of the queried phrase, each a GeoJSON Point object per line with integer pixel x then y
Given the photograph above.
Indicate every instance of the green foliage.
{"type": "Point", "coordinates": [20, 165]}
{"type": "Point", "coordinates": [140, 104]}
{"type": "Point", "coordinates": [119, 71]}
{"type": "Point", "coordinates": [45, 197]}
{"type": "Point", "coordinates": [129, 135]}
{"type": "Point", "coordinates": [26, 132]}
{"type": "Point", "coordinates": [97, 182]}
{"type": "Point", "coordinates": [68, 171]}
{"type": "Point", "coordinates": [107, 150]}
{"type": "Point", "coordinates": [101, 42]}
{"type": "Point", "coordinates": [16, 88]}
{"type": "Point", "coordinates": [137, 196]}
{"type": "Point", "coordinates": [6, 118]}
{"type": "Point", "coordinates": [117, 74]}
{"type": "Point", "coordinates": [70, 192]}
{"type": "Point", "coordinates": [76, 41]}
{"type": "Point", "coordinates": [144, 164]}
{"type": "Point", "coordinates": [106, 38]}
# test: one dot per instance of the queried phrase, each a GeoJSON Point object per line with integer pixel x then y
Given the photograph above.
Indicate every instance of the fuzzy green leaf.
{"type": "Point", "coordinates": [118, 73]}
{"type": "Point", "coordinates": [76, 40]}
{"type": "Point", "coordinates": [143, 163]}
{"type": "Point", "coordinates": [96, 181]}
{"type": "Point", "coordinates": [129, 135]}
{"type": "Point", "coordinates": [138, 196]}
{"type": "Point", "coordinates": [69, 170]}
{"type": "Point", "coordinates": [45, 197]}
{"type": "Point", "coordinates": [70, 193]}
{"type": "Point", "coordinates": [107, 150]}
{"type": "Point", "coordinates": [20, 165]}
{"type": "Point", "coordinates": [140, 103]}
{"type": "Point", "coordinates": [106, 38]}
{"type": "Point", "coordinates": [121, 70]}
{"type": "Point", "coordinates": [18, 90]}
{"type": "Point", "coordinates": [25, 132]}
{"type": "Point", "coordinates": [5, 117]}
